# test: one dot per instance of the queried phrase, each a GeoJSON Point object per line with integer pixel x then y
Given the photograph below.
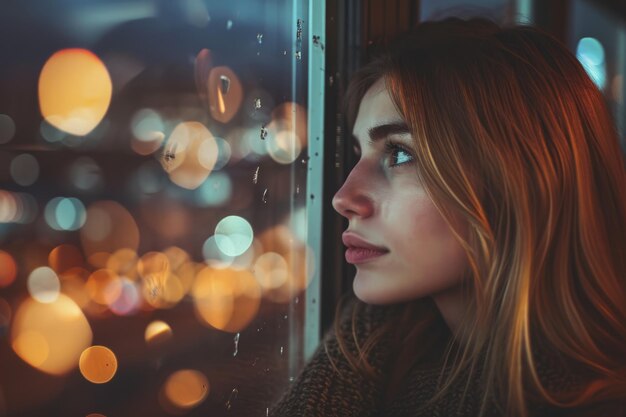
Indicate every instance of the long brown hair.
{"type": "Point", "coordinates": [512, 136]}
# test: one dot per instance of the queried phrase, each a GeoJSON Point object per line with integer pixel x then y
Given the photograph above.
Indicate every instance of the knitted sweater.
{"type": "Point", "coordinates": [334, 389]}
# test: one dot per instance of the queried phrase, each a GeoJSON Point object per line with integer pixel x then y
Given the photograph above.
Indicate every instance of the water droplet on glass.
{"type": "Point", "coordinates": [331, 81]}
{"type": "Point", "coordinates": [231, 398]}
{"type": "Point", "coordinates": [224, 84]}
{"type": "Point", "coordinates": [299, 29]}
{"type": "Point", "coordinates": [312, 197]}
{"type": "Point", "coordinates": [265, 196]}
{"type": "Point", "coordinates": [285, 52]}
{"type": "Point", "coordinates": [297, 300]}
{"type": "Point", "coordinates": [313, 301]}
{"type": "Point", "coordinates": [236, 344]}
{"type": "Point", "coordinates": [298, 55]}
{"type": "Point", "coordinates": [255, 361]}
{"type": "Point", "coordinates": [267, 412]}
{"type": "Point", "coordinates": [297, 189]}
{"type": "Point", "coordinates": [229, 24]}
{"type": "Point", "coordinates": [281, 351]}
{"type": "Point", "coordinates": [255, 178]}
{"type": "Point", "coordinates": [257, 103]}
{"type": "Point", "coordinates": [263, 133]}
{"type": "Point", "coordinates": [291, 379]}
{"type": "Point", "coordinates": [285, 317]}
{"type": "Point", "coordinates": [259, 38]}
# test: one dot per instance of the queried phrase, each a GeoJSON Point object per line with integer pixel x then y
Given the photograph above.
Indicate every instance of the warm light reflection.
{"type": "Point", "coordinates": [186, 388]}
{"type": "Point", "coordinates": [8, 269]}
{"type": "Point", "coordinates": [123, 262]}
{"type": "Point", "coordinates": [58, 330]}
{"type": "Point", "coordinates": [64, 257]}
{"type": "Point", "coordinates": [158, 332]}
{"type": "Point", "coordinates": [98, 364]}
{"type": "Point", "coordinates": [43, 285]}
{"type": "Point", "coordinates": [103, 286]}
{"type": "Point", "coordinates": [73, 283]}
{"type": "Point", "coordinates": [300, 261]}
{"type": "Point", "coordinates": [17, 207]}
{"type": "Point", "coordinates": [226, 299]}
{"type": "Point", "coordinates": [270, 270]}
{"type": "Point", "coordinates": [190, 154]}
{"type": "Point", "coordinates": [108, 227]}
{"type": "Point", "coordinates": [225, 94]}
{"type": "Point", "coordinates": [74, 91]}
{"type": "Point", "coordinates": [287, 133]}
{"type": "Point", "coordinates": [128, 300]}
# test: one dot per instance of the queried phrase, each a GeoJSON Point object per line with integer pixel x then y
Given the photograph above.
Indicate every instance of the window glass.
{"type": "Point", "coordinates": [154, 194]}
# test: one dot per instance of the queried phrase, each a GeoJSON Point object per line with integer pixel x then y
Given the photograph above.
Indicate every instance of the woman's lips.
{"type": "Point", "coordinates": [356, 255]}
{"type": "Point", "coordinates": [360, 250]}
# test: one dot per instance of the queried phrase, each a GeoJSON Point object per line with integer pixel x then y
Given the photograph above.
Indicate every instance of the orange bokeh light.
{"type": "Point", "coordinates": [8, 269]}
{"type": "Point", "coordinates": [74, 91]}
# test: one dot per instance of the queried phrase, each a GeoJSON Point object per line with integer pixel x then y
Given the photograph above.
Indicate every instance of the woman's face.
{"type": "Point", "coordinates": [388, 208]}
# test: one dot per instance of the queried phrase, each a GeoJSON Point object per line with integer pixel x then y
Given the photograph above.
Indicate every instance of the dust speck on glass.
{"type": "Point", "coordinates": [132, 240]}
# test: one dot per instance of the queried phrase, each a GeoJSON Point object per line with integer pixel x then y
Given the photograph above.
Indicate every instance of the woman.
{"type": "Point", "coordinates": [487, 224]}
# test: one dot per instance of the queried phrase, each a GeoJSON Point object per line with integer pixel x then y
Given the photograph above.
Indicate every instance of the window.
{"type": "Point", "coordinates": [159, 162]}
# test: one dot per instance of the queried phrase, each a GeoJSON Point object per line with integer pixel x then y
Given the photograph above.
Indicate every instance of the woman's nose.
{"type": "Point", "coordinates": [353, 199]}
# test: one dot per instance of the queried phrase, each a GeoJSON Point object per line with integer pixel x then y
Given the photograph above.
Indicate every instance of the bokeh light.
{"type": "Point", "coordinates": [190, 154]}
{"type": "Point", "coordinates": [148, 131]}
{"type": "Point", "coordinates": [43, 285]}
{"type": "Point", "coordinates": [103, 286]}
{"type": "Point", "coordinates": [74, 91]}
{"type": "Point", "coordinates": [7, 128]}
{"type": "Point", "coordinates": [50, 336]}
{"type": "Point", "coordinates": [233, 235]}
{"type": "Point", "coordinates": [216, 190]}
{"type": "Point", "coordinates": [226, 299]}
{"type": "Point", "coordinates": [73, 283]}
{"type": "Point", "coordinates": [109, 227]}
{"type": "Point", "coordinates": [123, 262]}
{"type": "Point", "coordinates": [17, 207]}
{"type": "Point", "coordinates": [287, 133]}
{"type": "Point", "coordinates": [128, 300]}
{"type": "Point", "coordinates": [270, 270]}
{"type": "Point", "coordinates": [64, 257]}
{"type": "Point", "coordinates": [5, 317]}
{"type": "Point", "coordinates": [590, 53]}
{"type": "Point", "coordinates": [225, 94]}
{"type": "Point", "coordinates": [24, 169]}
{"type": "Point", "coordinates": [85, 174]}
{"type": "Point", "coordinates": [65, 214]}
{"type": "Point", "coordinates": [158, 332]}
{"type": "Point", "coordinates": [8, 269]}
{"type": "Point", "coordinates": [98, 364]}
{"type": "Point", "coordinates": [186, 388]}
{"type": "Point", "coordinates": [213, 256]}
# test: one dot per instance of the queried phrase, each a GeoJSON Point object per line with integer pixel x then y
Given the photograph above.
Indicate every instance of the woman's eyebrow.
{"type": "Point", "coordinates": [379, 132]}
{"type": "Point", "coordinates": [395, 128]}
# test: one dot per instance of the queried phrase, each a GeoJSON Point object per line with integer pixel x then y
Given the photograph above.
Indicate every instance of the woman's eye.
{"type": "Point", "coordinates": [399, 155]}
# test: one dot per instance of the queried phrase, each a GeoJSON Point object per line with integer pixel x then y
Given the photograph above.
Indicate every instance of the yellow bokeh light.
{"type": "Point", "coordinates": [59, 325]}
{"type": "Point", "coordinates": [98, 364]}
{"type": "Point", "coordinates": [74, 91]}
{"type": "Point", "coordinates": [186, 388]}
{"type": "Point", "coordinates": [227, 299]}
{"type": "Point", "coordinates": [32, 347]}
{"type": "Point", "coordinates": [191, 152]}
{"type": "Point", "coordinates": [158, 332]}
